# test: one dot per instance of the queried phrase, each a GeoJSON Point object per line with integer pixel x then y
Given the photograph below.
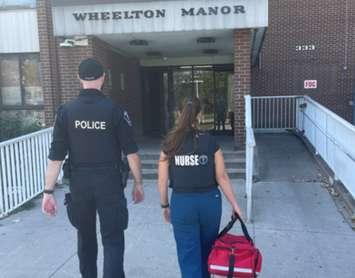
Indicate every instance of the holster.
{"type": "Point", "coordinates": [72, 214]}
{"type": "Point", "coordinates": [66, 168]}
{"type": "Point", "coordinates": [124, 168]}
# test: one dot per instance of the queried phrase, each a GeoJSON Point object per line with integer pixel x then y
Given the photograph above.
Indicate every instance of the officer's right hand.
{"type": "Point", "coordinates": [49, 205]}
{"type": "Point", "coordinates": [137, 193]}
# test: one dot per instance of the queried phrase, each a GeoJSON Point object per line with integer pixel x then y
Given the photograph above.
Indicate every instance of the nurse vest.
{"type": "Point", "coordinates": [192, 169]}
{"type": "Point", "coordinates": [90, 129]}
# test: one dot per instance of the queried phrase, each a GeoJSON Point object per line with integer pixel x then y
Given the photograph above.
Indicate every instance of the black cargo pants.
{"type": "Point", "coordinates": [98, 191]}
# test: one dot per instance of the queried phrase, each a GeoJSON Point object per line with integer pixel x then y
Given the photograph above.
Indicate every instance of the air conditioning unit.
{"type": "Point", "coordinates": [76, 41]}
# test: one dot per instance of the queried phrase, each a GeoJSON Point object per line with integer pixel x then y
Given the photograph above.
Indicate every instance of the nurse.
{"type": "Point", "coordinates": [193, 163]}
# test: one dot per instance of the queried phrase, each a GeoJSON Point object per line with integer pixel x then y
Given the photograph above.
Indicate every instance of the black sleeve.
{"type": "Point", "coordinates": [59, 145]}
{"type": "Point", "coordinates": [124, 132]}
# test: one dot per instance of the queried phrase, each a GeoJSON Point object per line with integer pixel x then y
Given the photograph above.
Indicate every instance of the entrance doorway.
{"type": "Point", "coordinates": [166, 88]}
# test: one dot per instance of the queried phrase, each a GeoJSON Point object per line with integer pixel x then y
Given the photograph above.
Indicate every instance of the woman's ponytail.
{"type": "Point", "coordinates": [186, 124]}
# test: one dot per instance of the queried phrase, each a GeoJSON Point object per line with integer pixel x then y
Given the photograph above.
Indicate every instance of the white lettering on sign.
{"type": "Point", "coordinates": [163, 16]}
{"type": "Point", "coordinates": [149, 14]}
{"type": "Point", "coordinates": [310, 84]}
{"type": "Point", "coordinates": [90, 125]}
{"type": "Point", "coordinates": [310, 47]}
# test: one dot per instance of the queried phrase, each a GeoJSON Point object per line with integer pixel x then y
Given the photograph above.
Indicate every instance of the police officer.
{"type": "Point", "coordinates": [93, 131]}
{"type": "Point", "coordinates": [193, 162]}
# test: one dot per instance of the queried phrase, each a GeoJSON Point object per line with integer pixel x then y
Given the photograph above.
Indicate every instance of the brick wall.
{"type": "Point", "coordinates": [59, 67]}
{"type": "Point", "coordinates": [134, 94]}
{"type": "Point", "coordinates": [126, 71]}
{"type": "Point", "coordinates": [48, 60]}
{"type": "Point", "coordinates": [242, 79]}
{"type": "Point", "coordinates": [69, 59]}
{"type": "Point", "coordinates": [115, 65]}
{"type": "Point", "coordinates": [282, 70]}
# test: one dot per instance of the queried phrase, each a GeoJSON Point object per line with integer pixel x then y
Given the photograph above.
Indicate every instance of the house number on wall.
{"type": "Point", "coordinates": [310, 47]}
{"type": "Point", "coordinates": [310, 84]}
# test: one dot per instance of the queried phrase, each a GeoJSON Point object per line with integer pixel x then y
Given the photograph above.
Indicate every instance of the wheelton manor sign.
{"type": "Point", "coordinates": [159, 16]}
{"type": "Point", "coordinates": [137, 14]}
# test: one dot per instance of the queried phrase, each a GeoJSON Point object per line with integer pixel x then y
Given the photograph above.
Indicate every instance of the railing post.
{"type": "Point", "coordinates": [248, 116]}
{"type": "Point", "coordinates": [249, 180]}
{"type": "Point", "coordinates": [249, 153]}
{"type": "Point", "coordinates": [2, 183]}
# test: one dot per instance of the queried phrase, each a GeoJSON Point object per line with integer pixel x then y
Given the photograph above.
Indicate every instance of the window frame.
{"type": "Point", "coordinates": [23, 106]}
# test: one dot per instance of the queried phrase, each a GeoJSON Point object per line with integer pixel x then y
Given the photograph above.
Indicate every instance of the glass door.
{"type": "Point", "coordinates": [213, 88]}
{"type": "Point", "coordinates": [224, 115]}
{"type": "Point", "coordinates": [167, 88]}
{"type": "Point", "coordinates": [183, 85]}
{"type": "Point", "coordinates": [204, 89]}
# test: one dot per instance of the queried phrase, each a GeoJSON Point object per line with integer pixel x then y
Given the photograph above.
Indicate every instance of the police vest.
{"type": "Point", "coordinates": [90, 129]}
{"type": "Point", "coordinates": [192, 169]}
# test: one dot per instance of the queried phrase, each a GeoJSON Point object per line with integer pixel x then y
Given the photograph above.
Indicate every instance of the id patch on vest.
{"type": "Point", "coordinates": [191, 160]}
{"type": "Point", "coordinates": [86, 125]}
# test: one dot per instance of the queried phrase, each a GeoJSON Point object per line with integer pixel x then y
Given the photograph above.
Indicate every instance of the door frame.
{"type": "Point", "coordinates": [170, 102]}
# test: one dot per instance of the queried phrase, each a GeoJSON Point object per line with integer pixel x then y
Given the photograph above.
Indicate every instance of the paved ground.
{"type": "Point", "coordinates": [296, 225]}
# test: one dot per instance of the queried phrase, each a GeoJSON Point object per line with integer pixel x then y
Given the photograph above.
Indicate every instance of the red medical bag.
{"type": "Point", "coordinates": [234, 255]}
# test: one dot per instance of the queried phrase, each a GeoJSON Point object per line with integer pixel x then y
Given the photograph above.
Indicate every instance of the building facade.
{"type": "Point", "coordinates": [160, 52]}
{"type": "Point", "coordinates": [21, 94]}
{"type": "Point", "coordinates": [310, 40]}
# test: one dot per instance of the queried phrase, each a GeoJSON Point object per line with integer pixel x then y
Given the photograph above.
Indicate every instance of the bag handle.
{"type": "Point", "coordinates": [230, 225]}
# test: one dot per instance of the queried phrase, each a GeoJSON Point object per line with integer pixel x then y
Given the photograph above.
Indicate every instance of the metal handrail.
{"type": "Point", "coordinates": [24, 137]}
{"type": "Point", "coordinates": [277, 113]}
{"type": "Point", "coordinates": [341, 159]}
{"type": "Point", "coordinates": [270, 97]}
{"type": "Point", "coordinates": [330, 113]}
{"type": "Point", "coordinates": [23, 161]}
{"type": "Point", "coordinates": [274, 113]}
{"type": "Point", "coordinates": [331, 138]}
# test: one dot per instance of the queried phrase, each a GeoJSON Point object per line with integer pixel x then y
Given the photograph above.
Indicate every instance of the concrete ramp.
{"type": "Point", "coordinates": [296, 223]}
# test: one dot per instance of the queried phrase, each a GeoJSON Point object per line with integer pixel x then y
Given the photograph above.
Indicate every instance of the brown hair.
{"type": "Point", "coordinates": [186, 124]}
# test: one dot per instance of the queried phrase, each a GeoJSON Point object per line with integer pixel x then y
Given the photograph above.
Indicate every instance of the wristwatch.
{"type": "Point", "coordinates": [164, 206]}
{"type": "Point", "coordinates": [48, 191]}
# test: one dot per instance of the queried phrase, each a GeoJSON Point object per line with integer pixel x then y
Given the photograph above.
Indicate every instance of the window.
{"type": "Point", "coordinates": [20, 82]}
{"type": "Point", "coordinates": [10, 81]}
{"type": "Point", "coordinates": [31, 81]}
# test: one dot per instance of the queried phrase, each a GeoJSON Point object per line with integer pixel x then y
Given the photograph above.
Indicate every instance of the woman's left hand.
{"type": "Point", "coordinates": [166, 214]}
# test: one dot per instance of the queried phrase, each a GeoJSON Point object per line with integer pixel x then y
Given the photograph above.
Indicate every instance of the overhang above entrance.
{"type": "Point", "coordinates": [157, 16]}
{"type": "Point", "coordinates": [168, 48]}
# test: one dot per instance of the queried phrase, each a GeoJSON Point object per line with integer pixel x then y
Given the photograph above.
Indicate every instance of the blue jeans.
{"type": "Point", "coordinates": [195, 218]}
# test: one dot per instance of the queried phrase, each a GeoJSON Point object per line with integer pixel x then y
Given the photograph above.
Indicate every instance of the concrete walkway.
{"type": "Point", "coordinates": [296, 225]}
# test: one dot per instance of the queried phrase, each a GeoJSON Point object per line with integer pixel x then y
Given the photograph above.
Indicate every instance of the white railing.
{"type": "Point", "coordinates": [333, 139]}
{"type": "Point", "coordinates": [23, 161]}
{"type": "Point", "coordinates": [249, 153]}
{"type": "Point", "coordinates": [274, 113]}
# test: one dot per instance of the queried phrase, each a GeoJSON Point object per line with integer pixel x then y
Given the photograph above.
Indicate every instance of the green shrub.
{"type": "Point", "coordinates": [11, 127]}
